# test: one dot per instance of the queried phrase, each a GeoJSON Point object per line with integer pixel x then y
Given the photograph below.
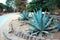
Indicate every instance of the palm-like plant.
{"type": "Point", "coordinates": [41, 24]}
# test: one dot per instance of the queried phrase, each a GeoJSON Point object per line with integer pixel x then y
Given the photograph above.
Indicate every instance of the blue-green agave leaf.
{"type": "Point", "coordinates": [25, 14]}
{"type": "Point", "coordinates": [49, 22]}
{"type": "Point", "coordinates": [39, 18]}
{"type": "Point", "coordinates": [39, 15]}
{"type": "Point", "coordinates": [46, 32]}
{"type": "Point", "coordinates": [35, 21]}
{"type": "Point", "coordinates": [45, 19]}
{"type": "Point", "coordinates": [30, 31]}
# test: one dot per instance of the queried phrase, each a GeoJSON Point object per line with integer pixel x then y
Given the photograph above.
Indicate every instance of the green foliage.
{"type": "Point", "coordinates": [1, 7]}
{"type": "Point", "coordinates": [41, 24]}
{"type": "Point", "coordinates": [35, 4]}
{"type": "Point", "coordinates": [48, 5]}
{"type": "Point", "coordinates": [8, 9]}
{"type": "Point", "coordinates": [9, 2]}
{"type": "Point", "coordinates": [10, 5]}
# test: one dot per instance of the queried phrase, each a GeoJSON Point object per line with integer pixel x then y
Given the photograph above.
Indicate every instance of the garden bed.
{"type": "Point", "coordinates": [20, 28]}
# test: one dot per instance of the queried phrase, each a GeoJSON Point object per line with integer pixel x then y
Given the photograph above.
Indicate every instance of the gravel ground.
{"type": "Point", "coordinates": [5, 27]}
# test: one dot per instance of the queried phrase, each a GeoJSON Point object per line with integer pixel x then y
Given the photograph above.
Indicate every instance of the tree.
{"type": "Point", "coordinates": [20, 5]}
{"type": "Point", "coordinates": [1, 7]}
{"type": "Point", "coordinates": [34, 5]}
{"type": "Point", "coordinates": [48, 5]}
{"type": "Point", "coordinates": [10, 3]}
{"type": "Point", "coordinates": [8, 9]}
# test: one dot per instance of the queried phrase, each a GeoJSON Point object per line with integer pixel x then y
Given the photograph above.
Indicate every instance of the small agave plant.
{"type": "Point", "coordinates": [40, 24]}
{"type": "Point", "coordinates": [25, 15]}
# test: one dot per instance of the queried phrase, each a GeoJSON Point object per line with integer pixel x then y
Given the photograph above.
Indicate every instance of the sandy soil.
{"type": "Point", "coordinates": [5, 27]}
{"type": "Point", "coordinates": [17, 26]}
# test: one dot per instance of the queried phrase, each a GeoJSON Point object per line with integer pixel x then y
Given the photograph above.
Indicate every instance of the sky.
{"type": "Point", "coordinates": [4, 1]}
{"type": "Point", "coordinates": [29, 0]}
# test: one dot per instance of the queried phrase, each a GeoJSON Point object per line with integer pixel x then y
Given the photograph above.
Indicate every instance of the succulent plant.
{"type": "Point", "coordinates": [25, 15]}
{"type": "Point", "coordinates": [41, 24]}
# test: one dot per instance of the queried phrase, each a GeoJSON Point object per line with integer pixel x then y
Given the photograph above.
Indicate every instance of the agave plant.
{"type": "Point", "coordinates": [25, 15]}
{"type": "Point", "coordinates": [41, 24]}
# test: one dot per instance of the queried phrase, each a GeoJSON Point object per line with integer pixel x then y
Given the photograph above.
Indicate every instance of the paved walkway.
{"type": "Point", "coordinates": [4, 26]}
